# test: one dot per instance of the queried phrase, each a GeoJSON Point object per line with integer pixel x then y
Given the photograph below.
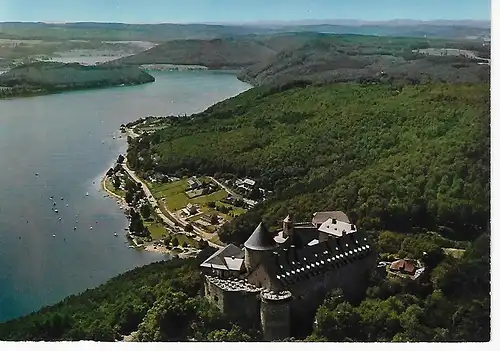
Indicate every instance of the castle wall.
{"type": "Point", "coordinates": [240, 306]}
{"type": "Point", "coordinates": [308, 295]}
{"type": "Point", "coordinates": [275, 319]}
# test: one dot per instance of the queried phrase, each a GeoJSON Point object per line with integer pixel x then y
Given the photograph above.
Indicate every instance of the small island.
{"type": "Point", "coordinates": [53, 77]}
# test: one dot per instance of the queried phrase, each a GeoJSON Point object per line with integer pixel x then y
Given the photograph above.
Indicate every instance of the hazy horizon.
{"type": "Point", "coordinates": [227, 11]}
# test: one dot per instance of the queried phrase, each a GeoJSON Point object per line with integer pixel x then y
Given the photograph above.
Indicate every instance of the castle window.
{"type": "Point", "coordinates": [305, 259]}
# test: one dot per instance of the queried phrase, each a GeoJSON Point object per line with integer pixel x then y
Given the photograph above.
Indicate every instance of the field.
{"type": "Point", "coordinates": [176, 199]}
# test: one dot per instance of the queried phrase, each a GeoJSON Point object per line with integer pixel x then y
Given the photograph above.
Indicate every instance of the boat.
{"type": "Point", "coordinates": [53, 204]}
{"type": "Point", "coordinates": [116, 234]}
{"type": "Point", "coordinates": [36, 174]}
{"type": "Point", "coordinates": [90, 227]}
{"type": "Point", "coordinates": [60, 219]}
{"type": "Point", "coordinates": [53, 235]}
{"type": "Point", "coordinates": [62, 198]}
{"type": "Point", "coordinates": [56, 210]}
{"type": "Point", "coordinates": [87, 194]}
{"type": "Point", "coordinates": [67, 205]}
{"type": "Point", "coordinates": [74, 228]}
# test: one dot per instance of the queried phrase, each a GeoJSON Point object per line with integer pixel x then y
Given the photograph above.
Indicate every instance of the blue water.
{"type": "Point", "coordinates": [67, 140]}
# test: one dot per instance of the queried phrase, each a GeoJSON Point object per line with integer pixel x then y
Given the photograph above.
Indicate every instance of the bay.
{"type": "Point", "coordinates": [68, 140]}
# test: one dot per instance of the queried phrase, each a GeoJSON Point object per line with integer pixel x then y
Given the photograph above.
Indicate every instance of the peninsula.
{"type": "Point", "coordinates": [53, 77]}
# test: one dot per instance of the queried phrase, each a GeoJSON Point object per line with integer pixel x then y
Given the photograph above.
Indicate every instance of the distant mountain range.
{"type": "Point", "coordinates": [170, 31]}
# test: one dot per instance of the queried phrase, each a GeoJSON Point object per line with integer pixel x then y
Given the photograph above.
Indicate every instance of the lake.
{"type": "Point", "coordinates": [68, 140]}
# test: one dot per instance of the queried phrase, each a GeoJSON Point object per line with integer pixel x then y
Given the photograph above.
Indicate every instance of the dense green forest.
{"type": "Point", "coordinates": [452, 305]}
{"type": "Point", "coordinates": [47, 77]}
{"type": "Point", "coordinates": [399, 158]}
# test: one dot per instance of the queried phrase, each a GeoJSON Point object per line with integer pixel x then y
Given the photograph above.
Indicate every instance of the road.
{"type": "Point", "coordinates": [156, 207]}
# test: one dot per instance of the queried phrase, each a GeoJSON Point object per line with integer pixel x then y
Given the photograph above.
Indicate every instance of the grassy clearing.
{"type": "Point", "coordinates": [157, 230]}
{"type": "Point", "coordinates": [109, 185]}
{"type": "Point", "coordinates": [456, 253]}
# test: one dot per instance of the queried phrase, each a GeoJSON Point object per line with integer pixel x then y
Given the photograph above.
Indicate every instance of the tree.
{"type": "Point", "coordinates": [189, 227]}
{"type": "Point", "coordinates": [110, 172]}
{"type": "Point", "coordinates": [129, 197]}
{"type": "Point", "coordinates": [211, 204]}
{"type": "Point", "coordinates": [120, 159]}
{"type": "Point", "coordinates": [175, 242]}
{"type": "Point", "coordinates": [117, 182]}
{"type": "Point", "coordinates": [146, 210]}
{"type": "Point", "coordinates": [214, 219]}
{"type": "Point", "coordinates": [202, 244]}
{"type": "Point", "coordinates": [233, 335]}
{"type": "Point", "coordinates": [254, 193]}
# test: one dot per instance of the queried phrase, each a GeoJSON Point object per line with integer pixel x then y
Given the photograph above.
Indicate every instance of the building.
{"type": "Point", "coordinates": [193, 184]}
{"type": "Point", "coordinates": [277, 278]}
{"type": "Point", "coordinates": [404, 266]}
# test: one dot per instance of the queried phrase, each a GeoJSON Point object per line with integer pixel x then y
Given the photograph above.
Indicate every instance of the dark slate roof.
{"type": "Point", "coordinates": [260, 239]}
{"type": "Point", "coordinates": [226, 258]}
{"type": "Point", "coordinates": [296, 264]}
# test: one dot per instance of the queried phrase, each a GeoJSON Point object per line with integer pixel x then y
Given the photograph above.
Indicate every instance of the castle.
{"type": "Point", "coordinates": [277, 279]}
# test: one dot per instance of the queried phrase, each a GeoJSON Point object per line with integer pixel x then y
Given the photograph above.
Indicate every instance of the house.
{"type": "Point", "coordinates": [404, 266]}
{"type": "Point", "coordinates": [249, 183]}
{"type": "Point", "coordinates": [193, 183]}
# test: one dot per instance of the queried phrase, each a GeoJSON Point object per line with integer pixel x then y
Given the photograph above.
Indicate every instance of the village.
{"type": "Point", "coordinates": [178, 216]}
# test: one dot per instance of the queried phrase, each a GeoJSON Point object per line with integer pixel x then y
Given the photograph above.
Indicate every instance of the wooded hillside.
{"type": "Point", "coordinates": [393, 158]}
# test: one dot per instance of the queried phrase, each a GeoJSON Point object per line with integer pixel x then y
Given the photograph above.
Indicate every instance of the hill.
{"type": "Point", "coordinates": [344, 58]}
{"type": "Point", "coordinates": [170, 31]}
{"type": "Point", "coordinates": [46, 77]}
{"type": "Point", "coordinates": [398, 158]}
{"type": "Point", "coordinates": [215, 53]}
{"type": "Point", "coordinates": [280, 58]}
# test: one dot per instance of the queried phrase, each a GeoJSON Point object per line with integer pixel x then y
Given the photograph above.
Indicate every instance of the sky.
{"type": "Point", "coordinates": [196, 11]}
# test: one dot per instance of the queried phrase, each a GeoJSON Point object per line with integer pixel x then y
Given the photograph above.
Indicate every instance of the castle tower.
{"type": "Point", "coordinates": [287, 227]}
{"type": "Point", "coordinates": [275, 315]}
{"type": "Point", "coordinates": [258, 247]}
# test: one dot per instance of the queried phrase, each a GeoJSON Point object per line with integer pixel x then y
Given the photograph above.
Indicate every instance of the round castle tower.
{"type": "Point", "coordinates": [258, 247]}
{"type": "Point", "coordinates": [275, 315]}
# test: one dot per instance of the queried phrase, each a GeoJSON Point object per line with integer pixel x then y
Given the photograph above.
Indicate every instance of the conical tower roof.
{"type": "Point", "coordinates": [261, 239]}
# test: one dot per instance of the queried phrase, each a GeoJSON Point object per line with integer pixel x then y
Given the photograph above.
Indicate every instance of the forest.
{"type": "Point", "coordinates": [406, 159]}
